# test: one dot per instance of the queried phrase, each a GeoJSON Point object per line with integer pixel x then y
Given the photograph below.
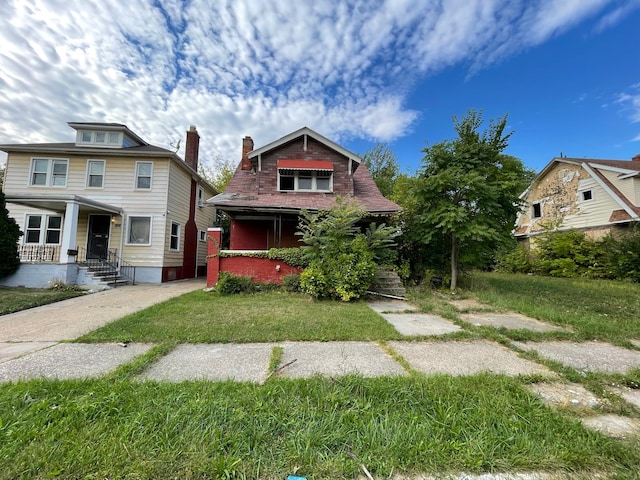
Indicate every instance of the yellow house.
{"type": "Point", "coordinates": [109, 201]}
{"type": "Point", "coordinates": [595, 196]}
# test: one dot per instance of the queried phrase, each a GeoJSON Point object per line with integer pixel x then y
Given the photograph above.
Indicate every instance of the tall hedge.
{"type": "Point", "coordinates": [9, 235]}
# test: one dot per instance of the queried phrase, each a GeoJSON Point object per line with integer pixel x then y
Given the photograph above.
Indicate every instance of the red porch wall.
{"type": "Point", "coordinates": [259, 269]}
{"type": "Point", "coordinates": [262, 270]}
{"type": "Point", "coordinates": [249, 235]}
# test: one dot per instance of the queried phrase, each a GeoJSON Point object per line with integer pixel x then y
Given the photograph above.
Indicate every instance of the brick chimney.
{"type": "Point", "coordinates": [247, 146]}
{"type": "Point", "coordinates": [191, 148]}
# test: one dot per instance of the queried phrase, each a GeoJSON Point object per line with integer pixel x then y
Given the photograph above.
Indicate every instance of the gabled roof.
{"type": "Point", "coordinates": [310, 133]}
{"type": "Point", "coordinates": [624, 168]}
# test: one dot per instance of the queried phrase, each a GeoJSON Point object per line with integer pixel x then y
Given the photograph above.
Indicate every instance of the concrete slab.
{"type": "Point", "coordinates": [246, 362]}
{"type": "Point", "coordinates": [336, 359]}
{"type": "Point", "coordinates": [69, 319]}
{"type": "Point", "coordinates": [71, 360]}
{"type": "Point", "coordinates": [613, 425]}
{"type": "Point", "coordinates": [465, 358]}
{"type": "Point", "coordinates": [9, 350]}
{"type": "Point", "coordinates": [395, 306]}
{"type": "Point", "coordinates": [589, 356]}
{"type": "Point", "coordinates": [630, 395]}
{"type": "Point", "coordinates": [565, 395]}
{"type": "Point", "coordinates": [420, 324]}
{"type": "Point", "coordinates": [511, 321]}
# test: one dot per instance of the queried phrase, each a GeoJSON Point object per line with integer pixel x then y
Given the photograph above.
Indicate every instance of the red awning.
{"type": "Point", "coordinates": [305, 164]}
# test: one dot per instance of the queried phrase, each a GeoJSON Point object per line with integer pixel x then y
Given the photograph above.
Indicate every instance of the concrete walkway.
{"type": "Point", "coordinates": [30, 347]}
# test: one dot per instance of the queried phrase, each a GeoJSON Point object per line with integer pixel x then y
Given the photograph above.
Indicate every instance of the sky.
{"type": "Point", "coordinates": [565, 72]}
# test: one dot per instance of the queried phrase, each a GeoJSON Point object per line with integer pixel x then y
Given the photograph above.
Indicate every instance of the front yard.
{"type": "Point", "coordinates": [122, 427]}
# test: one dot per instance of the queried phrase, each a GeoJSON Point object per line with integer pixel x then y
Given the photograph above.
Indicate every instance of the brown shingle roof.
{"type": "Point", "coordinates": [241, 193]}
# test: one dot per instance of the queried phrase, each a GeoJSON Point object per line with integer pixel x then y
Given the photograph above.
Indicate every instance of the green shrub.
{"type": "Point", "coordinates": [342, 259]}
{"type": "Point", "coordinates": [229, 284]}
{"type": "Point", "coordinates": [291, 283]}
{"type": "Point", "coordinates": [517, 260]}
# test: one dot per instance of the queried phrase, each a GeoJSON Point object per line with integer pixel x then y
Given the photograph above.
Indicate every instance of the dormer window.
{"type": "Point", "coordinates": [305, 175]}
{"type": "Point", "coordinates": [106, 139]}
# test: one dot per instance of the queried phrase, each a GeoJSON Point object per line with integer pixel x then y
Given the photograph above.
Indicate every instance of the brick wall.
{"type": "Point", "coordinates": [261, 270]}
{"type": "Point", "coordinates": [268, 176]}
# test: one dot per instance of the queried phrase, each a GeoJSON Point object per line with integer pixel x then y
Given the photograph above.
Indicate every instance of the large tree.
{"type": "Point", "coordinates": [9, 235]}
{"type": "Point", "coordinates": [468, 191]}
{"type": "Point", "coordinates": [383, 166]}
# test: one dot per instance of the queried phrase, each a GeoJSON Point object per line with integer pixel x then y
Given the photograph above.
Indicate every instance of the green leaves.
{"type": "Point", "coordinates": [342, 259]}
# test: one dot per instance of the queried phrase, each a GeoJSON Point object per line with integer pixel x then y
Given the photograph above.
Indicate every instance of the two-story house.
{"type": "Point", "coordinates": [109, 195]}
{"type": "Point", "coordinates": [595, 196]}
{"type": "Point", "coordinates": [274, 183]}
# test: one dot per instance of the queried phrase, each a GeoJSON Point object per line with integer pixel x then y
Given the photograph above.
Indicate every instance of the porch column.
{"type": "Point", "coordinates": [69, 231]}
{"type": "Point", "coordinates": [214, 236]}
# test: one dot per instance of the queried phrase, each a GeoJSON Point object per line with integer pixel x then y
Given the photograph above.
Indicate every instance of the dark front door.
{"type": "Point", "coordinates": [98, 236]}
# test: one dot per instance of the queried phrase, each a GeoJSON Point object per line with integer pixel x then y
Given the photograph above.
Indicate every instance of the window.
{"type": "Point", "coordinates": [536, 210]}
{"type": "Point", "coordinates": [109, 139]}
{"type": "Point", "coordinates": [95, 173]}
{"type": "Point", "coordinates": [144, 171]}
{"type": "Point", "coordinates": [586, 195]}
{"type": "Point", "coordinates": [139, 231]}
{"type": "Point", "coordinates": [174, 242]}
{"type": "Point", "coordinates": [203, 236]}
{"type": "Point", "coordinates": [305, 180]}
{"type": "Point", "coordinates": [48, 172]}
{"type": "Point", "coordinates": [43, 229]}
{"type": "Point", "coordinates": [200, 197]}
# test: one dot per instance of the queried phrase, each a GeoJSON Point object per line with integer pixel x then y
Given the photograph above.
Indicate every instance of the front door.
{"type": "Point", "coordinates": [98, 241]}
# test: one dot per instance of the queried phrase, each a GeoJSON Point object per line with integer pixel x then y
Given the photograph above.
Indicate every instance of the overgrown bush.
{"type": "Point", "coordinates": [573, 254]}
{"type": "Point", "coordinates": [291, 283]}
{"type": "Point", "coordinates": [9, 235]}
{"type": "Point", "coordinates": [229, 284]}
{"type": "Point", "coordinates": [342, 259]}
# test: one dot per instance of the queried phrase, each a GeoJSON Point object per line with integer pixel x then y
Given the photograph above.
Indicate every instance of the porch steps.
{"type": "Point", "coordinates": [105, 275]}
{"type": "Point", "coordinates": [388, 283]}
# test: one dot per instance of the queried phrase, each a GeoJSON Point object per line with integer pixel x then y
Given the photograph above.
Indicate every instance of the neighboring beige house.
{"type": "Point", "coordinates": [108, 198]}
{"type": "Point", "coordinates": [595, 196]}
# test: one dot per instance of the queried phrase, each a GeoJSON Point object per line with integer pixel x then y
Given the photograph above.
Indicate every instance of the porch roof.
{"type": "Point", "coordinates": [58, 203]}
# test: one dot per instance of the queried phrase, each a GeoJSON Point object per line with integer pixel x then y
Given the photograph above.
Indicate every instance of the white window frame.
{"type": "Point", "coordinates": [49, 174]}
{"type": "Point", "coordinates": [175, 236]}
{"type": "Point", "coordinates": [137, 176]}
{"type": "Point", "coordinates": [101, 138]}
{"type": "Point", "coordinates": [588, 191]}
{"type": "Point", "coordinates": [128, 237]}
{"type": "Point", "coordinates": [203, 236]}
{"type": "Point", "coordinates": [43, 230]}
{"type": "Point", "coordinates": [200, 197]}
{"type": "Point", "coordinates": [296, 180]}
{"type": "Point", "coordinates": [104, 167]}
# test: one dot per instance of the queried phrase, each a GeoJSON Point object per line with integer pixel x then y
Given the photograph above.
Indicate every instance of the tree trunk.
{"type": "Point", "coordinates": [454, 262]}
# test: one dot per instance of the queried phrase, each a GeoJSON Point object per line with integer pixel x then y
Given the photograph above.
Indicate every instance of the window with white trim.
{"type": "Point", "coordinates": [203, 236]}
{"type": "Point", "coordinates": [139, 230]}
{"type": "Point", "coordinates": [305, 180]}
{"type": "Point", "coordinates": [48, 172]}
{"type": "Point", "coordinates": [43, 229]}
{"type": "Point", "coordinates": [95, 173]}
{"type": "Point", "coordinates": [174, 240]}
{"type": "Point", "coordinates": [586, 195]}
{"type": "Point", "coordinates": [144, 172]}
{"type": "Point", "coordinates": [91, 137]}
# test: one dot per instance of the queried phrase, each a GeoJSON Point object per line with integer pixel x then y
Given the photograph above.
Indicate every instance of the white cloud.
{"type": "Point", "coordinates": [258, 68]}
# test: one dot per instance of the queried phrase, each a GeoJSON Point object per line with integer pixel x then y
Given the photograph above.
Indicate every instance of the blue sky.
{"type": "Point", "coordinates": [567, 72]}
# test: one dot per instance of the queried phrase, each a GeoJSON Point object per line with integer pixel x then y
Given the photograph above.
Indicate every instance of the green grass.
{"type": "Point", "coordinates": [16, 299]}
{"type": "Point", "coordinates": [115, 428]}
{"type": "Point", "coordinates": [594, 309]}
{"type": "Point", "coordinates": [206, 317]}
